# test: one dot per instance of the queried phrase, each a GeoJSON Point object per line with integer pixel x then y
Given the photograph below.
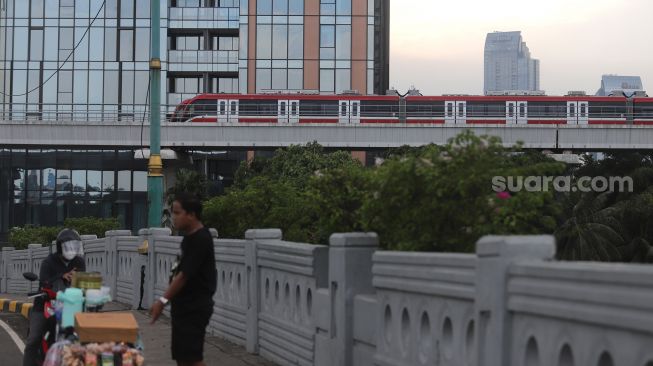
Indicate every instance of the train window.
{"type": "Point", "coordinates": [223, 107]}
{"type": "Point", "coordinates": [293, 108]}
{"type": "Point", "coordinates": [423, 109]}
{"type": "Point", "coordinates": [522, 110]}
{"type": "Point", "coordinates": [254, 107]}
{"type": "Point", "coordinates": [572, 110]}
{"type": "Point", "coordinates": [547, 109]}
{"type": "Point", "coordinates": [377, 108]}
{"type": "Point", "coordinates": [343, 109]}
{"type": "Point", "coordinates": [583, 111]}
{"type": "Point", "coordinates": [643, 110]}
{"type": "Point", "coordinates": [449, 109]}
{"type": "Point", "coordinates": [607, 109]}
{"type": "Point", "coordinates": [485, 109]}
{"type": "Point", "coordinates": [354, 109]}
{"type": "Point", "coordinates": [322, 108]}
{"type": "Point", "coordinates": [511, 110]}
{"type": "Point", "coordinates": [282, 108]}
{"type": "Point", "coordinates": [203, 107]}
{"type": "Point", "coordinates": [461, 110]}
{"type": "Point", "coordinates": [234, 107]}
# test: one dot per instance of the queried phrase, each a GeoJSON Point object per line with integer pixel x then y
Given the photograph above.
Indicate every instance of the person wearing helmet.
{"type": "Point", "coordinates": [56, 273]}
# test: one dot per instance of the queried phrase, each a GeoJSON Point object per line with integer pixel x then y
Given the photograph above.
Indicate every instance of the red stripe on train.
{"type": "Point", "coordinates": [425, 121]}
{"type": "Point", "coordinates": [643, 122]}
{"type": "Point", "coordinates": [607, 122]}
{"type": "Point", "coordinates": [318, 120]}
{"type": "Point", "coordinates": [546, 122]}
{"type": "Point", "coordinates": [486, 122]}
{"type": "Point", "coordinates": [205, 120]}
{"type": "Point", "coordinates": [379, 121]}
{"type": "Point", "coordinates": [257, 120]}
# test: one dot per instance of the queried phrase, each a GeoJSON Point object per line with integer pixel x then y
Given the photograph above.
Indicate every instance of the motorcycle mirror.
{"type": "Point", "coordinates": [30, 276]}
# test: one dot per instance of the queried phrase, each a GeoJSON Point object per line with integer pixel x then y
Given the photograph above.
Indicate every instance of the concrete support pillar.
{"type": "Point", "coordinates": [495, 256]}
{"type": "Point", "coordinates": [360, 156]}
{"type": "Point", "coordinates": [251, 154]}
{"type": "Point", "coordinates": [350, 274]}
{"type": "Point", "coordinates": [253, 283]}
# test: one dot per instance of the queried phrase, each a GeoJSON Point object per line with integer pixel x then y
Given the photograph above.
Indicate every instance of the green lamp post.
{"type": "Point", "coordinates": [155, 164]}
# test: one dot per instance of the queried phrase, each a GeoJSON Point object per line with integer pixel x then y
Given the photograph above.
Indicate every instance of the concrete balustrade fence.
{"type": "Point", "coordinates": [351, 304]}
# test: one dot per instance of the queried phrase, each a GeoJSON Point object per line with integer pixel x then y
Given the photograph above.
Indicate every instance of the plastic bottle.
{"type": "Point", "coordinates": [72, 299]}
{"type": "Point", "coordinates": [107, 359]}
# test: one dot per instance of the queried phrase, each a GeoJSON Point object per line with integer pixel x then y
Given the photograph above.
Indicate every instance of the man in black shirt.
{"type": "Point", "coordinates": [193, 285]}
{"type": "Point", "coordinates": [56, 273]}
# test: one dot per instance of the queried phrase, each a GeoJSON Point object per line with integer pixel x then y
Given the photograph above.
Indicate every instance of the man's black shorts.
{"type": "Point", "coordinates": [188, 330]}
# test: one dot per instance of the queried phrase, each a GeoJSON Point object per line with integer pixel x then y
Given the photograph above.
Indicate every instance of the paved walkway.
{"type": "Point", "coordinates": [156, 340]}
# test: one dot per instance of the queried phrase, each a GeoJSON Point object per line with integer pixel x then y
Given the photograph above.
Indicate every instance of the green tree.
{"type": "Point", "coordinates": [337, 196]}
{"type": "Point", "coordinates": [612, 226]}
{"type": "Point", "coordinates": [189, 181]}
{"type": "Point", "coordinates": [592, 231]}
{"type": "Point", "coordinates": [429, 198]}
{"type": "Point", "coordinates": [442, 198]}
{"type": "Point", "coordinates": [263, 203]}
{"type": "Point", "coordinates": [295, 164]}
{"type": "Point", "coordinates": [92, 225]}
{"type": "Point", "coordinates": [276, 192]}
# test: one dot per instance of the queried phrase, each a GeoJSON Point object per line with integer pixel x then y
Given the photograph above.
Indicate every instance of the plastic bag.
{"type": "Point", "coordinates": [54, 357]}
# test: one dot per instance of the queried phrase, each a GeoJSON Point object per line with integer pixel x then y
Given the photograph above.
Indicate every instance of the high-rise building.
{"type": "Point", "coordinates": [619, 84]}
{"type": "Point", "coordinates": [508, 64]}
{"type": "Point", "coordinates": [87, 60]}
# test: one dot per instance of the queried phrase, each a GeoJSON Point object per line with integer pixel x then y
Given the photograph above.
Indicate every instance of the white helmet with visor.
{"type": "Point", "coordinates": [69, 244]}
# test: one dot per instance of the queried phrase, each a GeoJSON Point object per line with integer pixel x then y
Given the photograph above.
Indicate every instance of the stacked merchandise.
{"type": "Point", "coordinates": [93, 354]}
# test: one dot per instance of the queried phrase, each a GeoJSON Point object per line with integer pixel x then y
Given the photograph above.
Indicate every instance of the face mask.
{"type": "Point", "coordinates": [71, 249]}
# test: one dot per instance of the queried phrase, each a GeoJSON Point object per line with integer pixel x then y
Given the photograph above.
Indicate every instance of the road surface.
{"type": "Point", "coordinates": [11, 325]}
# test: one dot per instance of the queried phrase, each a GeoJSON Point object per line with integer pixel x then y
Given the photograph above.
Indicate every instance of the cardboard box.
{"type": "Point", "coordinates": [106, 327]}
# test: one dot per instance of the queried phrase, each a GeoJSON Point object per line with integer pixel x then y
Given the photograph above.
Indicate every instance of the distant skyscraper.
{"type": "Point", "coordinates": [626, 84]}
{"type": "Point", "coordinates": [508, 63]}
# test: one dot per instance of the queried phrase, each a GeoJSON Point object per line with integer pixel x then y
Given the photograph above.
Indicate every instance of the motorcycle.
{"type": "Point", "coordinates": [48, 296]}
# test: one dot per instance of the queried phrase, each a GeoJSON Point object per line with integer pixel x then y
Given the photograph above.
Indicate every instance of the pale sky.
{"type": "Point", "coordinates": [437, 45]}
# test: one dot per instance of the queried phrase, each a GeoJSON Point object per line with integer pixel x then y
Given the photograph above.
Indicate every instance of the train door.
{"type": "Point", "coordinates": [354, 111]}
{"type": "Point", "coordinates": [583, 113]}
{"type": "Point", "coordinates": [572, 113]}
{"type": "Point", "coordinates": [282, 111]}
{"type": "Point", "coordinates": [223, 110]}
{"type": "Point", "coordinates": [461, 112]}
{"type": "Point", "coordinates": [522, 113]}
{"type": "Point", "coordinates": [233, 111]}
{"type": "Point", "coordinates": [449, 112]}
{"type": "Point", "coordinates": [293, 115]}
{"type": "Point", "coordinates": [511, 112]}
{"type": "Point", "coordinates": [343, 111]}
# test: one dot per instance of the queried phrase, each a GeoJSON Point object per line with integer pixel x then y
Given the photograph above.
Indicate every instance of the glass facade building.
{"type": "Point", "coordinates": [44, 187]}
{"type": "Point", "coordinates": [62, 59]}
{"type": "Point", "coordinates": [619, 83]}
{"type": "Point", "coordinates": [87, 60]}
{"type": "Point", "coordinates": [508, 64]}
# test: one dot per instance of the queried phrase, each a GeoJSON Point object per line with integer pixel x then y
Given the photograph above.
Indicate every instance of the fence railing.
{"type": "Point", "coordinates": [107, 113]}
{"type": "Point", "coordinates": [350, 303]}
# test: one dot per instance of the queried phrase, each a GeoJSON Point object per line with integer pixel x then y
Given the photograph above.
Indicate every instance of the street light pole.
{"type": "Point", "coordinates": [155, 164]}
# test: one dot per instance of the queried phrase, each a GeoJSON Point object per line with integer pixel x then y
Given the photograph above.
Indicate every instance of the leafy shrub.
{"type": "Point", "coordinates": [21, 237]}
